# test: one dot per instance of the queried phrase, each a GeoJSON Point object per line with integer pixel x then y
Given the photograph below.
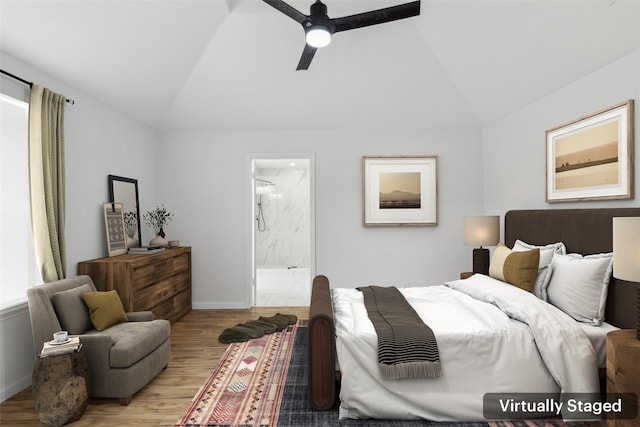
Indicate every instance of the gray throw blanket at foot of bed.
{"type": "Point", "coordinates": [407, 347]}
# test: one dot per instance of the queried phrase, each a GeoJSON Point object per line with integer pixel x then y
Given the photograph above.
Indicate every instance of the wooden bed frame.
{"type": "Point", "coordinates": [584, 231]}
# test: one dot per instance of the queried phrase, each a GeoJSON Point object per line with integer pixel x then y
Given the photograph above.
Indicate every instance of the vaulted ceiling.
{"type": "Point", "coordinates": [230, 64]}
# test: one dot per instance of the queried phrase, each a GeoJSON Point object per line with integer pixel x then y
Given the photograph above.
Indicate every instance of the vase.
{"type": "Point", "coordinates": [132, 242]}
{"type": "Point", "coordinates": [159, 240]}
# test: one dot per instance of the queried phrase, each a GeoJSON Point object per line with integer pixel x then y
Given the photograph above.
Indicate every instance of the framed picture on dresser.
{"type": "Point", "coordinates": [114, 228]}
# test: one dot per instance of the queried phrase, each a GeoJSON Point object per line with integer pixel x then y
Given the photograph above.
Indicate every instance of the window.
{"type": "Point", "coordinates": [17, 256]}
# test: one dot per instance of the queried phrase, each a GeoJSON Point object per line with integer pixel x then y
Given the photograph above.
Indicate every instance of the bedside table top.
{"type": "Point", "coordinates": [624, 334]}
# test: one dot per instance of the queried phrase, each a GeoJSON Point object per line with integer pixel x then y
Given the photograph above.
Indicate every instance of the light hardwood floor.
{"type": "Point", "coordinates": [195, 351]}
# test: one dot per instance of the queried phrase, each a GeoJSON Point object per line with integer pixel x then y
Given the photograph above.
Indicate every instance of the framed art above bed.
{"type": "Point", "coordinates": [399, 190]}
{"type": "Point", "coordinates": [591, 158]}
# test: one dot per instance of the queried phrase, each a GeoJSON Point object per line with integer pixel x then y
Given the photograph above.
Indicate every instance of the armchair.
{"type": "Point", "coordinates": [122, 358]}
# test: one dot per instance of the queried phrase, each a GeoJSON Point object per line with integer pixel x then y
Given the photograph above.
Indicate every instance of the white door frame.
{"type": "Point", "coordinates": [251, 215]}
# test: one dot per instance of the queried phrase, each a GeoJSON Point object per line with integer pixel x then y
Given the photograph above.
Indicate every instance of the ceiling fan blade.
{"type": "Point", "coordinates": [290, 11]}
{"type": "Point", "coordinates": [307, 56]}
{"type": "Point", "coordinates": [379, 16]}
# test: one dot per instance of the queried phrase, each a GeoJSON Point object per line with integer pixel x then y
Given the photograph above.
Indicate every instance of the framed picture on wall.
{"type": "Point", "coordinates": [399, 190]}
{"type": "Point", "coordinates": [114, 228]}
{"type": "Point", "coordinates": [591, 158]}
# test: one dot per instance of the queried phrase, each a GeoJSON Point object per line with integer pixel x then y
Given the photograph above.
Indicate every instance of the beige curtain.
{"type": "Point", "coordinates": [46, 173]}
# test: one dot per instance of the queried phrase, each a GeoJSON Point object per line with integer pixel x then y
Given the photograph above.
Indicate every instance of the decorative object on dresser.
{"type": "Point", "coordinates": [626, 256]}
{"type": "Point", "coordinates": [125, 191]}
{"type": "Point", "coordinates": [114, 228]}
{"type": "Point", "coordinates": [591, 158]}
{"type": "Point", "coordinates": [481, 231]}
{"type": "Point", "coordinates": [146, 250]}
{"type": "Point", "coordinates": [399, 190]}
{"type": "Point", "coordinates": [623, 374]}
{"type": "Point", "coordinates": [157, 219]}
{"type": "Point", "coordinates": [159, 282]}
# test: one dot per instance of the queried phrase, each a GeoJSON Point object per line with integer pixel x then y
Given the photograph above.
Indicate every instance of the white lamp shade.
{"type": "Point", "coordinates": [481, 230]}
{"type": "Point", "coordinates": [626, 248]}
{"type": "Point", "coordinates": [318, 36]}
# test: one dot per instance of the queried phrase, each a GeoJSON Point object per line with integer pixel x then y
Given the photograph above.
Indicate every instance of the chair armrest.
{"type": "Point", "coordinates": [96, 347]}
{"type": "Point", "coordinates": [140, 316]}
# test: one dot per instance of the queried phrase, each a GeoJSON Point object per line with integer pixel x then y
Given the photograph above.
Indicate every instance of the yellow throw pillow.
{"type": "Point", "coordinates": [105, 309]}
{"type": "Point", "coordinates": [517, 268]}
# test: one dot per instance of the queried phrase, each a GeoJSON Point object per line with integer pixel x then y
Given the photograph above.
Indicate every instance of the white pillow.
{"type": "Point", "coordinates": [546, 255]}
{"type": "Point", "coordinates": [578, 285]}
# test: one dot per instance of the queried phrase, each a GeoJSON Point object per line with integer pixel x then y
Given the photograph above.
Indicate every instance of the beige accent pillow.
{"type": "Point", "coordinates": [105, 309]}
{"type": "Point", "coordinates": [72, 311]}
{"type": "Point", "coordinates": [516, 268]}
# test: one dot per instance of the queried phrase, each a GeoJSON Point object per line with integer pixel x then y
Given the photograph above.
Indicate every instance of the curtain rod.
{"type": "Point", "coordinates": [30, 84]}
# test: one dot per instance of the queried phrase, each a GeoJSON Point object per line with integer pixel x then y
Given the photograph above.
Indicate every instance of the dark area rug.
{"type": "Point", "coordinates": [295, 409]}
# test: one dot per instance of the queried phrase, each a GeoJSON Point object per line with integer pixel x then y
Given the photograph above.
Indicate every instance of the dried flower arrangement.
{"type": "Point", "coordinates": [157, 219]}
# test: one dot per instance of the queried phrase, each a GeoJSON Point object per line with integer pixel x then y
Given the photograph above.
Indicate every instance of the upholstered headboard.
{"type": "Point", "coordinates": [583, 231]}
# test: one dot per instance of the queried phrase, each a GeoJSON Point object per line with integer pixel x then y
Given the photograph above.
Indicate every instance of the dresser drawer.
{"type": "Point", "coordinates": [151, 296]}
{"type": "Point", "coordinates": [181, 263]}
{"type": "Point", "coordinates": [151, 273]}
{"type": "Point", "coordinates": [182, 282]}
{"type": "Point", "coordinates": [164, 310]}
{"type": "Point", "coordinates": [182, 299]}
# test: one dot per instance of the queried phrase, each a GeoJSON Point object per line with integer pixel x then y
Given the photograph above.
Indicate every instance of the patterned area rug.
{"type": "Point", "coordinates": [263, 382]}
{"type": "Point", "coordinates": [246, 387]}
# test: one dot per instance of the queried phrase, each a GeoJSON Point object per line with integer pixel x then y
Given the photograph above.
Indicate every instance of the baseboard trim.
{"type": "Point", "coordinates": [219, 306]}
{"type": "Point", "coordinates": [12, 389]}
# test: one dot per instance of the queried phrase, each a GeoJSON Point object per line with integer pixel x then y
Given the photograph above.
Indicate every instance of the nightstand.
{"type": "Point", "coordinates": [466, 274]}
{"type": "Point", "coordinates": [623, 368]}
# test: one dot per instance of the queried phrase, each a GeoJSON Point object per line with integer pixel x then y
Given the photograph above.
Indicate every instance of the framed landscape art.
{"type": "Point", "coordinates": [591, 158]}
{"type": "Point", "coordinates": [399, 190]}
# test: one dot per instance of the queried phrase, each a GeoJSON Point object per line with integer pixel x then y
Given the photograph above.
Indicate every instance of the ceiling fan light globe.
{"type": "Point", "coordinates": [318, 36]}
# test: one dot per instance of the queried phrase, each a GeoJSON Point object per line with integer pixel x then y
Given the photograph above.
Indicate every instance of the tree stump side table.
{"type": "Point", "coordinates": [60, 388]}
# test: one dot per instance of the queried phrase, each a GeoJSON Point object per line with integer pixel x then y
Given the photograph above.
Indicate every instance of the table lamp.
{"type": "Point", "coordinates": [626, 255]}
{"type": "Point", "coordinates": [481, 231]}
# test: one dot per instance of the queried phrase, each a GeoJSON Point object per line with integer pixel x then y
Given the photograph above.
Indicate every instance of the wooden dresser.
{"type": "Point", "coordinates": [159, 282]}
{"type": "Point", "coordinates": [623, 369]}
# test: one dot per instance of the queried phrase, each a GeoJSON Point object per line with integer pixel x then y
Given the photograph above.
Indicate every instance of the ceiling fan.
{"type": "Point", "coordinates": [319, 28]}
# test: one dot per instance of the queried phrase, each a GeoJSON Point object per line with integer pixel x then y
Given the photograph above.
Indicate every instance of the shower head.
{"type": "Point", "coordinates": [264, 182]}
{"type": "Point", "coordinates": [263, 186]}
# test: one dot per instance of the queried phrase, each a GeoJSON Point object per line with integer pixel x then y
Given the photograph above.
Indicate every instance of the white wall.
{"type": "Point", "coordinates": [514, 147]}
{"type": "Point", "coordinates": [209, 197]}
{"type": "Point", "coordinates": [99, 141]}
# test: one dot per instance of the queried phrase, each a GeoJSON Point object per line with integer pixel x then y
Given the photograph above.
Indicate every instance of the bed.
{"type": "Point", "coordinates": [582, 231]}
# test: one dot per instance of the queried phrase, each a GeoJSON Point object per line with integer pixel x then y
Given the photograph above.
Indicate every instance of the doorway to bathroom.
{"type": "Point", "coordinates": [282, 229]}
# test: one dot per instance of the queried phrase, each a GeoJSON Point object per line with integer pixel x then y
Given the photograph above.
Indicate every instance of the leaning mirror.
{"type": "Point", "coordinates": [125, 191]}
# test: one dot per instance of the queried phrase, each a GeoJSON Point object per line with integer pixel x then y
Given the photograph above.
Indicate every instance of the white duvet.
{"type": "Point", "coordinates": [492, 337]}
